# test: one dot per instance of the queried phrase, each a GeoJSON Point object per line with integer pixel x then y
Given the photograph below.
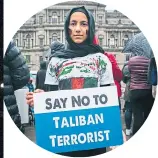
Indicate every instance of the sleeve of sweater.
{"type": "Point", "coordinates": [19, 70]}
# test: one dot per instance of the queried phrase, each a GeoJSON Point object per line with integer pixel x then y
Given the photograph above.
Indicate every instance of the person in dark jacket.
{"type": "Point", "coordinates": [41, 74]}
{"type": "Point", "coordinates": [128, 105]}
{"type": "Point", "coordinates": [40, 78]}
{"type": "Point", "coordinates": [16, 75]}
{"type": "Point", "coordinates": [141, 91]}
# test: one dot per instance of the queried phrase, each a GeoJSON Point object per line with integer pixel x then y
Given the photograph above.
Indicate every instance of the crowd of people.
{"type": "Point", "coordinates": [83, 63]}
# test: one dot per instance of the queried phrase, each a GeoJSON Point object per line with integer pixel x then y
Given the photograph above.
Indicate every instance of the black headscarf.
{"type": "Point", "coordinates": [79, 50]}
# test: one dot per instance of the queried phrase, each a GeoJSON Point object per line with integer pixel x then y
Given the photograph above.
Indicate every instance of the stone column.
{"type": "Point", "coordinates": [45, 37]}
{"type": "Point", "coordinates": [21, 39]}
{"type": "Point", "coordinates": [107, 38]}
{"type": "Point", "coordinates": [46, 18]}
{"type": "Point", "coordinates": [121, 39]}
{"type": "Point", "coordinates": [63, 16]}
{"type": "Point", "coordinates": [61, 36]}
{"type": "Point", "coordinates": [35, 39]}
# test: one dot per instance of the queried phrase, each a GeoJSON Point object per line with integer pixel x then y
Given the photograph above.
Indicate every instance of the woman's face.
{"type": "Point", "coordinates": [78, 27]}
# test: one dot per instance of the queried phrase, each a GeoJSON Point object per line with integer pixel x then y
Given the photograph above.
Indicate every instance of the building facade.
{"type": "Point", "coordinates": [113, 29]}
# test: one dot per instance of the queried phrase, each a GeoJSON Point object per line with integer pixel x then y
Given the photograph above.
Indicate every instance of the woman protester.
{"type": "Point", "coordinates": [81, 65]}
{"type": "Point", "coordinates": [140, 91]}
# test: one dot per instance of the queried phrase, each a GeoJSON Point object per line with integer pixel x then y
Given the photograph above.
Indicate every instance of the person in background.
{"type": "Point", "coordinates": [56, 46]}
{"type": "Point", "coordinates": [15, 76]}
{"type": "Point", "coordinates": [128, 105]}
{"type": "Point", "coordinates": [140, 90]}
{"type": "Point", "coordinates": [152, 75]}
{"type": "Point", "coordinates": [41, 74]}
{"type": "Point", "coordinates": [30, 86]}
{"type": "Point", "coordinates": [40, 78]}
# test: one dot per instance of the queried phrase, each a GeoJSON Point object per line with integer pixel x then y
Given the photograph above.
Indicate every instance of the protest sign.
{"type": "Point", "coordinates": [20, 95]}
{"type": "Point", "coordinates": [72, 120]}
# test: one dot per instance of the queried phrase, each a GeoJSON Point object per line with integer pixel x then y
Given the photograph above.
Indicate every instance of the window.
{"type": "Point", "coordinates": [32, 42]}
{"type": "Point", "coordinates": [59, 19]}
{"type": "Point", "coordinates": [54, 37]}
{"type": "Point", "coordinates": [41, 42]}
{"type": "Point", "coordinates": [50, 41]}
{"type": "Point", "coordinates": [41, 20]}
{"type": "Point", "coordinates": [101, 37]}
{"type": "Point", "coordinates": [116, 43]}
{"type": "Point", "coordinates": [101, 41]}
{"type": "Point", "coordinates": [100, 19]}
{"type": "Point", "coordinates": [108, 42]}
{"type": "Point", "coordinates": [28, 41]}
{"type": "Point", "coordinates": [16, 41]}
{"type": "Point", "coordinates": [40, 58]}
{"type": "Point", "coordinates": [27, 58]}
{"type": "Point", "coordinates": [54, 18]}
{"type": "Point", "coordinates": [50, 19]}
{"type": "Point", "coordinates": [112, 41]}
{"type": "Point", "coordinates": [125, 39]}
{"type": "Point", "coordinates": [24, 43]}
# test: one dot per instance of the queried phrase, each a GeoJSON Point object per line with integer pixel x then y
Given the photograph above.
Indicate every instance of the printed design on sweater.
{"type": "Point", "coordinates": [81, 72]}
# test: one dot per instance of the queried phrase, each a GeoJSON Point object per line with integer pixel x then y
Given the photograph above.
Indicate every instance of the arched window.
{"type": "Point", "coordinates": [54, 18]}
{"type": "Point", "coordinates": [100, 19]}
{"type": "Point", "coordinates": [40, 20]}
{"type": "Point", "coordinates": [112, 41]}
{"type": "Point", "coordinates": [41, 40]}
{"type": "Point", "coordinates": [125, 39]}
{"type": "Point", "coordinates": [28, 41]}
{"type": "Point", "coordinates": [54, 37]}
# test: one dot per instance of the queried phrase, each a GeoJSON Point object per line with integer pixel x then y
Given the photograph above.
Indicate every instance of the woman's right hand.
{"type": "Point", "coordinates": [29, 96]}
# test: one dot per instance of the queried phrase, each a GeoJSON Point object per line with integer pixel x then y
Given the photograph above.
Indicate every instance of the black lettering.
{"type": "Point", "coordinates": [85, 101]}
{"type": "Point", "coordinates": [64, 102]}
{"type": "Point", "coordinates": [56, 104]}
{"type": "Point", "coordinates": [48, 100]}
{"type": "Point", "coordinates": [75, 101]}
{"type": "Point", "coordinates": [96, 99]}
{"type": "Point", "coordinates": [103, 99]}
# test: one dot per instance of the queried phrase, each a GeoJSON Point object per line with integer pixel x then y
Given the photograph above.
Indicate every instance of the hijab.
{"type": "Point", "coordinates": [73, 49]}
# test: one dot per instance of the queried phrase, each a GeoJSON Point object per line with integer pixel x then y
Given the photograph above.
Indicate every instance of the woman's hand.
{"type": "Point", "coordinates": [29, 96]}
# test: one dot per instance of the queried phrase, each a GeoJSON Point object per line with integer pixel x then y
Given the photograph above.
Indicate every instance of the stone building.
{"type": "Point", "coordinates": [113, 29]}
